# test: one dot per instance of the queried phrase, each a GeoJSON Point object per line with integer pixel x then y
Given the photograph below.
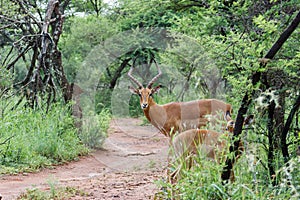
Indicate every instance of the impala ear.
{"type": "Point", "coordinates": [156, 89]}
{"type": "Point", "coordinates": [227, 116]}
{"type": "Point", "coordinates": [133, 90]}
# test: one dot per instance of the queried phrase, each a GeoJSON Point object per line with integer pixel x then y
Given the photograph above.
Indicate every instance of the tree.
{"type": "Point", "coordinates": [271, 108]}
{"type": "Point", "coordinates": [31, 40]}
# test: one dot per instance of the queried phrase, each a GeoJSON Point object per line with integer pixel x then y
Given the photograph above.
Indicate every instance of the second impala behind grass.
{"type": "Point", "coordinates": [177, 116]}
{"type": "Point", "coordinates": [212, 144]}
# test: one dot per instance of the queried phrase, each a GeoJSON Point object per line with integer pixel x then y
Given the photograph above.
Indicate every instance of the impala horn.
{"type": "Point", "coordinates": [155, 77]}
{"type": "Point", "coordinates": [132, 78]}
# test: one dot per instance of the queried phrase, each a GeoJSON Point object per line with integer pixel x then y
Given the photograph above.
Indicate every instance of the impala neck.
{"type": "Point", "coordinates": [152, 105]}
{"type": "Point", "coordinates": [157, 116]}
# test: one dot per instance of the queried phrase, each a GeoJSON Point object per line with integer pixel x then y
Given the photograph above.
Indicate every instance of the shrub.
{"type": "Point", "coordinates": [31, 139]}
{"type": "Point", "coordinates": [203, 181]}
{"type": "Point", "coordinates": [94, 129]}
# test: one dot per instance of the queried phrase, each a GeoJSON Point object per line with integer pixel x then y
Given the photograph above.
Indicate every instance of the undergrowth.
{"type": "Point", "coordinates": [31, 139]}
{"type": "Point", "coordinates": [55, 192]}
{"type": "Point", "coordinates": [94, 129]}
{"type": "Point", "coordinates": [252, 181]}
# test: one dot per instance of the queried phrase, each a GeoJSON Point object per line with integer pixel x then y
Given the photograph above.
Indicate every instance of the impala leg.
{"type": "Point", "coordinates": [170, 175]}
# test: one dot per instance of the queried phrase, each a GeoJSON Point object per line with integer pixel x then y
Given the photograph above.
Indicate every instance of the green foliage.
{"type": "Point", "coordinates": [94, 129]}
{"type": "Point", "coordinates": [31, 139]}
{"type": "Point", "coordinates": [143, 13]}
{"type": "Point", "coordinates": [264, 25]}
{"type": "Point", "coordinates": [90, 31]}
{"type": "Point", "coordinates": [55, 193]}
{"type": "Point", "coordinates": [5, 79]}
{"type": "Point", "coordinates": [203, 181]}
{"type": "Point", "coordinates": [103, 100]}
{"type": "Point", "coordinates": [134, 107]}
{"type": "Point", "coordinates": [209, 42]}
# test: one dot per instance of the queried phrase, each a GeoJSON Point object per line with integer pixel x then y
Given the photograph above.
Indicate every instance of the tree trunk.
{"type": "Point", "coordinates": [270, 126]}
{"type": "Point", "coordinates": [286, 128]}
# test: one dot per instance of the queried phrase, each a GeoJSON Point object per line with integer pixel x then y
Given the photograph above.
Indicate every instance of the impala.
{"type": "Point", "coordinates": [176, 116]}
{"type": "Point", "coordinates": [212, 144]}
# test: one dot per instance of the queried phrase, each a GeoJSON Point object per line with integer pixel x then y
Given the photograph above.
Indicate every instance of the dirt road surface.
{"type": "Point", "coordinates": [133, 157]}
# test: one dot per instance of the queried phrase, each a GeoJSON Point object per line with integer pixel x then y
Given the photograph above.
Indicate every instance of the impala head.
{"type": "Point", "coordinates": [145, 93]}
{"type": "Point", "coordinates": [231, 123]}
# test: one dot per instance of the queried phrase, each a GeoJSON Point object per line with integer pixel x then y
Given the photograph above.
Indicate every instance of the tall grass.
{"type": "Point", "coordinates": [32, 139]}
{"type": "Point", "coordinates": [252, 181]}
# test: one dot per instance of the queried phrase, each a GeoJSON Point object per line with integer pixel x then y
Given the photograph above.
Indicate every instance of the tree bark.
{"type": "Point", "coordinates": [284, 146]}
{"type": "Point", "coordinates": [118, 73]}
{"type": "Point", "coordinates": [270, 126]}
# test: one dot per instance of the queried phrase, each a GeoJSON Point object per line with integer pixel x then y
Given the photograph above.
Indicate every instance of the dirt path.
{"type": "Point", "coordinates": [133, 157]}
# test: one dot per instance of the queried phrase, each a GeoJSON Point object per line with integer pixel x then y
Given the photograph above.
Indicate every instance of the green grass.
{"type": "Point", "coordinates": [55, 192]}
{"type": "Point", "coordinates": [33, 139]}
{"type": "Point", "coordinates": [94, 129]}
{"type": "Point", "coordinates": [204, 182]}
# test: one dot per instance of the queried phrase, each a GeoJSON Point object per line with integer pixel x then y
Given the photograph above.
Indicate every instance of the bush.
{"type": "Point", "coordinates": [203, 181]}
{"type": "Point", "coordinates": [31, 139]}
{"type": "Point", "coordinates": [94, 129]}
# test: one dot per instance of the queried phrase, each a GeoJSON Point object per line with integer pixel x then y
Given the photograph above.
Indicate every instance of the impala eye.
{"type": "Point", "coordinates": [150, 95]}
{"type": "Point", "coordinates": [139, 94]}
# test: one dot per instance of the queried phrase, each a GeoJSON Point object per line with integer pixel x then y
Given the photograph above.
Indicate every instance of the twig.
{"type": "Point", "coordinates": [7, 140]}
